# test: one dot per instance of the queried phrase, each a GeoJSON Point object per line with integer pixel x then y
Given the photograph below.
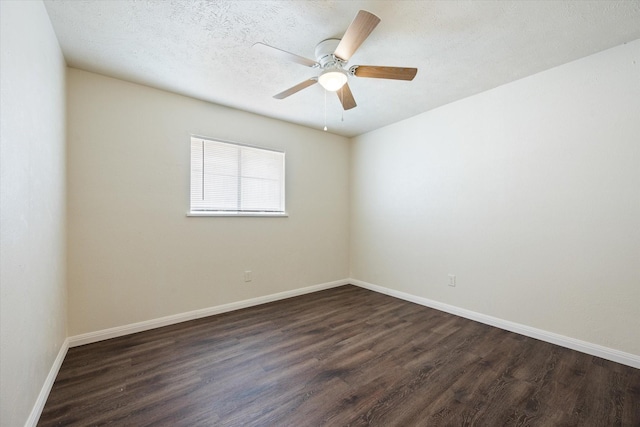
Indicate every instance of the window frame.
{"type": "Point", "coordinates": [214, 213]}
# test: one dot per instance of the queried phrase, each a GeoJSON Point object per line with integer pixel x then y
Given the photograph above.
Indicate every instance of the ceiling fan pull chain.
{"type": "Point", "coordinates": [325, 110]}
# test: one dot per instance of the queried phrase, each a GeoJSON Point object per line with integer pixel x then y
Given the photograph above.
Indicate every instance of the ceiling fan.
{"type": "Point", "coordinates": [332, 56]}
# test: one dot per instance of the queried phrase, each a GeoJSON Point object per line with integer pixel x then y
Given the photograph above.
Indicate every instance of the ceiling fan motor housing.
{"type": "Point", "coordinates": [324, 54]}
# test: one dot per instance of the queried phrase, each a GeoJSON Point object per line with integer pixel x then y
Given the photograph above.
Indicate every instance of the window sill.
{"type": "Point", "coordinates": [238, 214]}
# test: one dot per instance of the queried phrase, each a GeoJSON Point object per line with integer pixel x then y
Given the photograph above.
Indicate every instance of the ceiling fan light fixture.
{"type": "Point", "coordinates": [332, 79]}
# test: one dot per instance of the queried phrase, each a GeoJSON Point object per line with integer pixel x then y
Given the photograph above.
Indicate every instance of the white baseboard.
{"type": "Point", "coordinates": [36, 411]}
{"type": "Point", "coordinates": [550, 337]}
{"type": "Point", "coordinates": [132, 328]}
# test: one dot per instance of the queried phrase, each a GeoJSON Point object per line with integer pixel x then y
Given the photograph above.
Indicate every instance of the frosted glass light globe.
{"type": "Point", "coordinates": [333, 79]}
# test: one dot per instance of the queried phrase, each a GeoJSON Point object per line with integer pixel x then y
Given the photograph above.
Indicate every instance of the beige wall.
{"type": "Point", "coordinates": [135, 256]}
{"type": "Point", "coordinates": [32, 206]}
{"type": "Point", "coordinates": [528, 193]}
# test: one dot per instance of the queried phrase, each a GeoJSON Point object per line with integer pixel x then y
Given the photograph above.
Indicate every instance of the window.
{"type": "Point", "coordinates": [234, 179]}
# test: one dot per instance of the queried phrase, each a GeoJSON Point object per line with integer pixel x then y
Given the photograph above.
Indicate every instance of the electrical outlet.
{"type": "Point", "coordinates": [452, 280]}
{"type": "Point", "coordinates": [247, 276]}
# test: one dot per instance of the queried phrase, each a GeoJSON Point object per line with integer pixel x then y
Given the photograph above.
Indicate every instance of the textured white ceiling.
{"type": "Point", "coordinates": [203, 49]}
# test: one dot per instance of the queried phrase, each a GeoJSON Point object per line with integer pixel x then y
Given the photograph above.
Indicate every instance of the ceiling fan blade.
{"type": "Point", "coordinates": [395, 73]}
{"type": "Point", "coordinates": [283, 54]}
{"type": "Point", "coordinates": [362, 25]}
{"type": "Point", "coordinates": [346, 97]}
{"type": "Point", "coordinates": [296, 88]}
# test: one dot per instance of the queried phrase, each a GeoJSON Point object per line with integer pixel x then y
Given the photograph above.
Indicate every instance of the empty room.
{"type": "Point", "coordinates": [319, 213]}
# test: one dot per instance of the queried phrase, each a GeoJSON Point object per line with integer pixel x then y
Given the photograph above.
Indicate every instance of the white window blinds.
{"type": "Point", "coordinates": [234, 179]}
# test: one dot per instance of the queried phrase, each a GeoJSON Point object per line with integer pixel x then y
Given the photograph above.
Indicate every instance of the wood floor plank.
{"type": "Point", "coordinates": [344, 356]}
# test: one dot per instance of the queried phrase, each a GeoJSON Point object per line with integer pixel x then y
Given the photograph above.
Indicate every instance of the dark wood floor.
{"type": "Point", "coordinates": [345, 356]}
